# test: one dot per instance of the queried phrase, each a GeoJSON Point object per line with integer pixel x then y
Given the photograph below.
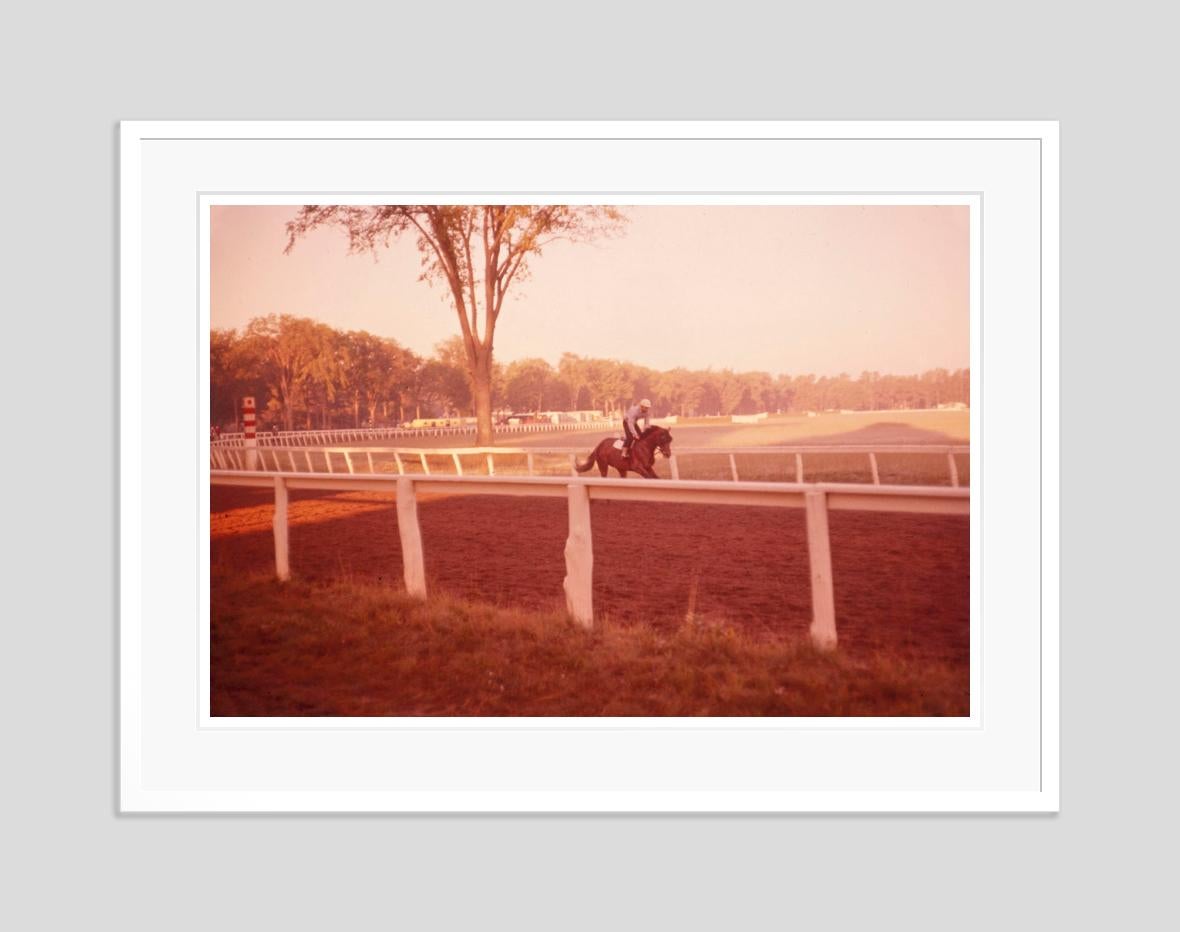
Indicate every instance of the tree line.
{"type": "Point", "coordinates": [306, 375]}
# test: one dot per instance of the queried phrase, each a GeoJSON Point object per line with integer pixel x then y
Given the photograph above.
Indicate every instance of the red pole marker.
{"type": "Point", "coordinates": [248, 426]}
{"type": "Point", "coordinates": [248, 419]}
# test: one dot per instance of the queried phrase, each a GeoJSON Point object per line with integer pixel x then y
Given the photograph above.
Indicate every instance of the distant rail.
{"type": "Point", "coordinates": [817, 498]}
{"type": "Point", "coordinates": [302, 438]}
{"type": "Point", "coordinates": [332, 460]}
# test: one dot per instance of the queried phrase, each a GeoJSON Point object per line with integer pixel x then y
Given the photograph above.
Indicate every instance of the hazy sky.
{"type": "Point", "coordinates": [780, 289]}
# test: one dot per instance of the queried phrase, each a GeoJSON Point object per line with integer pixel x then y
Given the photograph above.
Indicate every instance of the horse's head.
{"type": "Point", "coordinates": [664, 442]}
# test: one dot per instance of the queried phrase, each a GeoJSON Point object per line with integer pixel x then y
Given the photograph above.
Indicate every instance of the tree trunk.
{"type": "Point", "coordinates": [482, 401]}
{"type": "Point", "coordinates": [287, 404]}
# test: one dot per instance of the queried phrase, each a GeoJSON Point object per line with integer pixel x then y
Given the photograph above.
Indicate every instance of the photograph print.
{"type": "Point", "coordinates": [590, 460]}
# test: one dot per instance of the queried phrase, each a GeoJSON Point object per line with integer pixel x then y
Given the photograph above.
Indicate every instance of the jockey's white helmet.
{"type": "Point", "coordinates": [646, 403]}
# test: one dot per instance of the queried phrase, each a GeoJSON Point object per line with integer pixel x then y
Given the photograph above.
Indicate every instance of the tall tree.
{"type": "Point", "coordinates": [364, 359]}
{"type": "Point", "coordinates": [234, 372]}
{"type": "Point", "coordinates": [396, 376]}
{"type": "Point", "coordinates": [288, 348]}
{"type": "Point", "coordinates": [527, 384]}
{"type": "Point", "coordinates": [327, 372]}
{"type": "Point", "coordinates": [452, 355]}
{"type": "Point", "coordinates": [572, 370]}
{"type": "Point", "coordinates": [478, 251]}
{"type": "Point", "coordinates": [442, 388]}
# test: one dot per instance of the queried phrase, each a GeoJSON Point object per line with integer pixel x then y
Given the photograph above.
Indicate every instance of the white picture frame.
{"type": "Point", "coordinates": [1004, 757]}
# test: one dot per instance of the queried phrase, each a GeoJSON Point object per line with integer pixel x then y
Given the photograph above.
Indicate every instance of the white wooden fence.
{"type": "Point", "coordinates": [323, 459]}
{"type": "Point", "coordinates": [797, 452]}
{"type": "Point", "coordinates": [312, 438]}
{"type": "Point", "coordinates": [816, 498]}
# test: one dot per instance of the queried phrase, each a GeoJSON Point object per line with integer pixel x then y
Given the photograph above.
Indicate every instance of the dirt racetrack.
{"type": "Point", "coordinates": [901, 581]}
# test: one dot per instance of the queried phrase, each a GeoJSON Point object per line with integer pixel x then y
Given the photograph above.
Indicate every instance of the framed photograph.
{"type": "Point", "coordinates": [589, 467]}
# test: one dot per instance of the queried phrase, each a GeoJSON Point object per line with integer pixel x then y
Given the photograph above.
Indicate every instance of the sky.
{"type": "Point", "coordinates": [780, 289]}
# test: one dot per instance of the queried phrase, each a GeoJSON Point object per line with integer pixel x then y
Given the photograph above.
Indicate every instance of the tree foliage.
{"type": "Point", "coordinates": [307, 374]}
{"type": "Point", "coordinates": [477, 251]}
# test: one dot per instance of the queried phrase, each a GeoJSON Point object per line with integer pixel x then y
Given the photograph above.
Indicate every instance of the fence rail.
{"type": "Point", "coordinates": [323, 459]}
{"type": "Point", "coordinates": [816, 498]}
{"type": "Point", "coordinates": [300, 438]}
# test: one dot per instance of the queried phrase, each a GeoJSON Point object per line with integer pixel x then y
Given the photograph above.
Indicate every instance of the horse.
{"type": "Point", "coordinates": [643, 454]}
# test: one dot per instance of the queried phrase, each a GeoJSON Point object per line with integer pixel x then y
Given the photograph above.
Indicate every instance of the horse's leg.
{"type": "Point", "coordinates": [603, 467]}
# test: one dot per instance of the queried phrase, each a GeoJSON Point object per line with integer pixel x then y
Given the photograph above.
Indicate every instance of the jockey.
{"type": "Point", "coordinates": [631, 419]}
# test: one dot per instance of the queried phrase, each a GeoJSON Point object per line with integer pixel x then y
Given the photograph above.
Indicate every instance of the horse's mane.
{"type": "Point", "coordinates": [651, 429]}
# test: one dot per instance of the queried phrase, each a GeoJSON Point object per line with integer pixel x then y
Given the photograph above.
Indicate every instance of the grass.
{"type": "Point", "coordinates": [344, 648]}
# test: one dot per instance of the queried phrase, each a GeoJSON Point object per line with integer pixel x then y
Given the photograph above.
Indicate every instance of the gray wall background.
{"type": "Point", "coordinates": [70, 74]}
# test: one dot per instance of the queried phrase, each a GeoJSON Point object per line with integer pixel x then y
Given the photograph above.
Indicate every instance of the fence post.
{"type": "Point", "coordinates": [282, 557]}
{"type": "Point", "coordinates": [733, 467]}
{"type": "Point", "coordinates": [579, 559]}
{"type": "Point", "coordinates": [411, 538]}
{"type": "Point", "coordinates": [819, 551]}
{"type": "Point", "coordinates": [950, 458]}
{"type": "Point", "coordinates": [529, 456]}
{"type": "Point", "coordinates": [798, 467]}
{"type": "Point", "coordinates": [873, 464]}
{"type": "Point", "coordinates": [458, 465]}
{"type": "Point", "coordinates": [491, 466]}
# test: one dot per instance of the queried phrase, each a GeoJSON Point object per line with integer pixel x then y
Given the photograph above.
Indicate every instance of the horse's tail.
{"type": "Point", "coordinates": [586, 466]}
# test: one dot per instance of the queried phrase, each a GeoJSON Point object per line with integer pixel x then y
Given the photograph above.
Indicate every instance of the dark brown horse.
{"type": "Point", "coordinates": [643, 454]}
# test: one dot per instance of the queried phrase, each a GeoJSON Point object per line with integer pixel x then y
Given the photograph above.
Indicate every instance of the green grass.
{"type": "Point", "coordinates": [351, 649]}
